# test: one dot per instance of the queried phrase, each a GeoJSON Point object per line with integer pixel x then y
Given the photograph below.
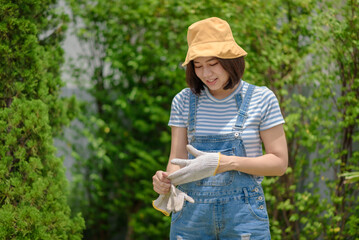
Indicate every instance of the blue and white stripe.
{"type": "Point", "coordinates": [216, 116]}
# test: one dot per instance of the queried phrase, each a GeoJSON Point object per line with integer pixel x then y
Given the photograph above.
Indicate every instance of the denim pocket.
{"type": "Point", "coordinates": [177, 215]}
{"type": "Point", "coordinates": [257, 207]}
{"type": "Point", "coordinates": [221, 179]}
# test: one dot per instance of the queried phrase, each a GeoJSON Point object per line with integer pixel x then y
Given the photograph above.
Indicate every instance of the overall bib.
{"type": "Point", "coordinates": [229, 205]}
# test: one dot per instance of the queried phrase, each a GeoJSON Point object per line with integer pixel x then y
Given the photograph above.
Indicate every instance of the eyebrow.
{"type": "Point", "coordinates": [206, 61]}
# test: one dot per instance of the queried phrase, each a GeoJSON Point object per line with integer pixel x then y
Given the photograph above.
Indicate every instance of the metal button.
{"type": "Point", "coordinates": [261, 207]}
{"type": "Point", "coordinates": [256, 189]}
{"type": "Point", "coordinates": [260, 198]}
{"type": "Point", "coordinates": [236, 134]}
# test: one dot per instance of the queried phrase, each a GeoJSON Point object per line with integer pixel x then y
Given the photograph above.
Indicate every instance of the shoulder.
{"type": "Point", "coordinates": [181, 98]}
{"type": "Point", "coordinates": [184, 94]}
{"type": "Point", "coordinates": [258, 91]}
{"type": "Point", "coordinates": [264, 94]}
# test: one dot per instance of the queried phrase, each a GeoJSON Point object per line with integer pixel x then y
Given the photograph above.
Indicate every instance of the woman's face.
{"type": "Point", "coordinates": [211, 73]}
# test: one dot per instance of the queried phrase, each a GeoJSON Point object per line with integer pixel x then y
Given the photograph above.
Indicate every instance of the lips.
{"type": "Point", "coordinates": [212, 82]}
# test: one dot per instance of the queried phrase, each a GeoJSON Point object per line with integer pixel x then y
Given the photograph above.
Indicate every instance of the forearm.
{"type": "Point", "coordinates": [171, 168]}
{"type": "Point", "coordinates": [178, 147]}
{"type": "Point", "coordinates": [273, 163]}
{"type": "Point", "coordinates": [266, 165]}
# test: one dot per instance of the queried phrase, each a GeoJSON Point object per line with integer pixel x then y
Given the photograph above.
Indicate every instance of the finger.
{"type": "Point", "coordinates": [178, 199]}
{"type": "Point", "coordinates": [180, 162]}
{"type": "Point", "coordinates": [180, 176]}
{"type": "Point", "coordinates": [189, 199]}
{"type": "Point", "coordinates": [171, 203]}
{"type": "Point", "coordinates": [179, 180]}
{"type": "Point", "coordinates": [158, 175]}
{"type": "Point", "coordinates": [159, 179]}
{"type": "Point", "coordinates": [161, 175]}
{"type": "Point", "coordinates": [173, 190]}
{"type": "Point", "coordinates": [179, 203]}
{"type": "Point", "coordinates": [165, 177]}
{"type": "Point", "coordinates": [159, 186]}
{"type": "Point", "coordinates": [179, 173]}
{"type": "Point", "coordinates": [194, 151]}
{"type": "Point", "coordinates": [173, 198]}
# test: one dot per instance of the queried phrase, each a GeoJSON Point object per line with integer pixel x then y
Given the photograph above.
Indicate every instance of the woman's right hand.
{"type": "Point", "coordinates": [161, 183]}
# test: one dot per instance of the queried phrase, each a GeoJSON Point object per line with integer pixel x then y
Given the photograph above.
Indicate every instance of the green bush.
{"type": "Point", "coordinates": [33, 187]}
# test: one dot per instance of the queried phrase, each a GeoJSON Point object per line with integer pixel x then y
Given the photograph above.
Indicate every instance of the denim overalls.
{"type": "Point", "coordinates": [229, 205]}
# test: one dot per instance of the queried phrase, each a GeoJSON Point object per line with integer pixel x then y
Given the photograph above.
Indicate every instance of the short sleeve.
{"type": "Point", "coordinates": [271, 114]}
{"type": "Point", "coordinates": [179, 109]}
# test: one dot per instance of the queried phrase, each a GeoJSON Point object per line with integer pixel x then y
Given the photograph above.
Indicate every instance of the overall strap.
{"type": "Point", "coordinates": [243, 107]}
{"type": "Point", "coordinates": [193, 99]}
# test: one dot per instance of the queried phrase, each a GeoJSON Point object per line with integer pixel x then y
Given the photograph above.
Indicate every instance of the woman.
{"type": "Point", "coordinates": [218, 126]}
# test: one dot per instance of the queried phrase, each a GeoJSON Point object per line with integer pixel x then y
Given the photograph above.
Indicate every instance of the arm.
{"type": "Point", "coordinates": [273, 163]}
{"type": "Point", "coordinates": [178, 147]}
{"type": "Point", "coordinates": [161, 184]}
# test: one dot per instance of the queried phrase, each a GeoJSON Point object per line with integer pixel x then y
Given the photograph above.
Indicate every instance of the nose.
{"type": "Point", "coordinates": [206, 72]}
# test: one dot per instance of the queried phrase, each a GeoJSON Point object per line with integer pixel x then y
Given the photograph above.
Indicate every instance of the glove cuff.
{"type": "Point", "coordinates": [160, 204]}
{"type": "Point", "coordinates": [213, 161]}
{"type": "Point", "coordinates": [219, 161]}
{"type": "Point", "coordinates": [161, 210]}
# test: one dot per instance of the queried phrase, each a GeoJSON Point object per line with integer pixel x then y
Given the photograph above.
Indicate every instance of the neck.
{"type": "Point", "coordinates": [221, 94]}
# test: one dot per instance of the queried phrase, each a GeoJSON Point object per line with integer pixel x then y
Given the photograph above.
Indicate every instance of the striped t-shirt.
{"type": "Point", "coordinates": [216, 116]}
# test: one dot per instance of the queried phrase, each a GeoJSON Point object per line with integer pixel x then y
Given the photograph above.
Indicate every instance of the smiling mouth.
{"type": "Point", "coordinates": [212, 82]}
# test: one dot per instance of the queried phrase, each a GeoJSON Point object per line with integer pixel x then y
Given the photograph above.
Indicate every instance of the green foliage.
{"type": "Point", "coordinates": [351, 177]}
{"type": "Point", "coordinates": [33, 187]}
{"type": "Point", "coordinates": [305, 51]}
{"type": "Point", "coordinates": [33, 203]}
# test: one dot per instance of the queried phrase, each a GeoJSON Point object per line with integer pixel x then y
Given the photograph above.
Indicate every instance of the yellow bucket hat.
{"type": "Point", "coordinates": [211, 37]}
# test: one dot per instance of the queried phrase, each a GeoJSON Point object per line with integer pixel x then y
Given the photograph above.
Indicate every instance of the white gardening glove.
{"type": "Point", "coordinates": [161, 202]}
{"type": "Point", "coordinates": [177, 199]}
{"type": "Point", "coordinates": [172, 201]}
{"type": "Point", "coordinates": [203, 166]}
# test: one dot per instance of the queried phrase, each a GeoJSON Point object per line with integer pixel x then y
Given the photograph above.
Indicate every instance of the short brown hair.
{"type": "Point", "coordinates": [234, 67]}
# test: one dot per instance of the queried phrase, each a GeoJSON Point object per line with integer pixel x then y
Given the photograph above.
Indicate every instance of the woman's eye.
{"type": "Point", "coordinates": [213, 64]}
{"type": "Point", "coordinates": [197, 66]}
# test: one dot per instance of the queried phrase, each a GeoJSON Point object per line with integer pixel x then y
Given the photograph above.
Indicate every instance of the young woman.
{"type": "Point", "coordinates": [218, 126]}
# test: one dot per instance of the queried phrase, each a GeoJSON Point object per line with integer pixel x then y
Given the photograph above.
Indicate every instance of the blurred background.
{"type": "Point", "coordinates": [121, 68]}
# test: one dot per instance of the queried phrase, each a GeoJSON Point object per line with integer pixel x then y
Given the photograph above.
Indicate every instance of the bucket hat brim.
{"type": "Point", "coordinates": [225, 50]}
